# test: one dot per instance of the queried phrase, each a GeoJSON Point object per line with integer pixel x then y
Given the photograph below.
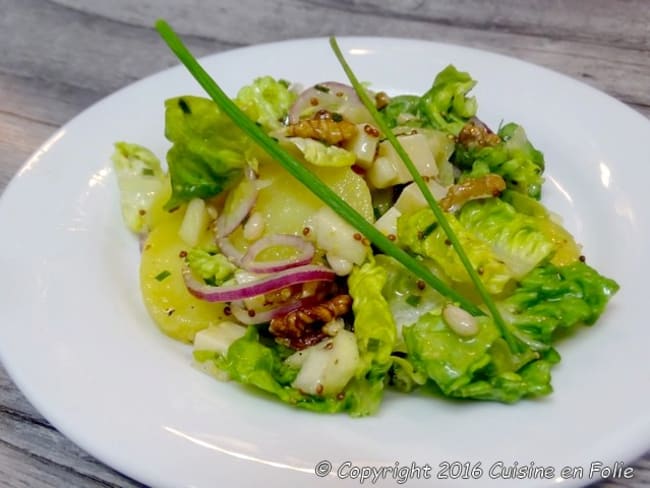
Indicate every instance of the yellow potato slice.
{"type": "Point", "coordinates": [175, 311]}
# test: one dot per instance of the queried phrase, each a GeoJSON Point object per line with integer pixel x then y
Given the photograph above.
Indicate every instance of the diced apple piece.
{"type": "Point", "coordinates": [328, 366]}
{"type": "Point", "coordinates": [411, 198]}
{"type": "Point", "coordinates": [218, 338]}
{"type": "Point", "coordinates": [440, 143]}
{"type": "Point", "coordinates": [337, 237]}
{"type": "Point", "coordinates": [387, 223]}
{"type": "Point", "coordinates": [382, 173]}
{"type": "Point", "coordinates": [417, 147]}
{"type": "Point", "coordinates": [364, 144]}
{"type": "Point", "coordinates": [341, 266]}
{"type": "Point", "coordinates": [194, 222]}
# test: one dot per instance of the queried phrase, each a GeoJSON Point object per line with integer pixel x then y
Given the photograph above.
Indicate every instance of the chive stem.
{"type": "Point", "coordinates": [303, 175]}
{"type": "Point", "coordinates": [433, 204]}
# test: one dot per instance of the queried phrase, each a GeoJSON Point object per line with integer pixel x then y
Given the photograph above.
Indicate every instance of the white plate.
{"type": "Point", "coordinates": [78, 342]}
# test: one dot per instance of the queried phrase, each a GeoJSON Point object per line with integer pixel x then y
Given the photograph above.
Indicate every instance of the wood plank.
{"type": "Point", "coordinates": [43, 100]}
{"type": "Point", "coordinates": [41, 446]}
{"type": "Point", "coordinates": [19, 138]}
{"type": "Point", "coordinates": [106, 30]}
{"type": "Point", "coordinates": [12, 400]}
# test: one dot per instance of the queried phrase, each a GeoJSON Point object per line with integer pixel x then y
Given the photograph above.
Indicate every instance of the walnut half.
{"type": "Point", "coordinates": [303, 327]}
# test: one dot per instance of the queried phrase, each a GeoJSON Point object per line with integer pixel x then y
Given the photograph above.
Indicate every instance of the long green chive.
{"type": "Point", "coordinates": [302, 174]}
{"type": "Point", "coordinates": [419, 181]}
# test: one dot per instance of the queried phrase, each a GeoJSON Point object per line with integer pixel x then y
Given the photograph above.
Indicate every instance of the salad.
{"type": "Point", "coordinates": [276, 290]}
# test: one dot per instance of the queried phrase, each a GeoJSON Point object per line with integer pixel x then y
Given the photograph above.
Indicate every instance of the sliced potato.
{"type": "Point", "coordinates": [175, 311]}
{"type": "Point", "coordinates": [286, 205]}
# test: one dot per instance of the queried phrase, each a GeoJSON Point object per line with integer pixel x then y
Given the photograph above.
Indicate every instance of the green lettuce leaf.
{"type": "Point", "coordinates": [480, 367]}
{"type": "Point", "coordinates": [446, 105]}
{"type": "Point", "coordinates": [515, 159]}
{"type": "Point", "coordinates": [319, 154]}
{"type": "Point", "coordinates": [255, 362]}
{"type": "Point", "coordinates": [421, 233]}
{"type": "Point", "coordinates": [500, 242]}
{"type": "Point", "coordinates": [532, 380]}
{"type": "Point", "coordinates": [552, 297]}
{"type": "Point", "coordinates": [140, 179]}
{"type": "Point", "coordinates": [447, 358]}
{"type": "Point", "coordinates": [404, 376]}
{"type": "Point", "coordinates": [374, 326]}
{"type": "Point", "coordinates": [266, 101]}
{"type": "Point", "coordinates": [209, 151]}
{"type": "Point", "coordinates": [515, 238]}
{"type": "Point", "coordinates": [403, 110]}
{"type": "Point", "coordinates": [407, 301]}
{"type": "Point", "coordinates": [213, 267]}
{"type": "Point", "coordinates": [376, 334]}
{"type": "Point", "coordinates": [567, 250]}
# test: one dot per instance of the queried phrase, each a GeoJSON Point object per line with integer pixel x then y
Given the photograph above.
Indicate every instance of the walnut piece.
{"type": "Point", "coordinates": [323, 129]}
{"type": "Point", "coordinates": [475, 134]}
{"type": "Point", "coordinates": [303, 327]}
{"type": "Point", "coordinates": [490, 185]}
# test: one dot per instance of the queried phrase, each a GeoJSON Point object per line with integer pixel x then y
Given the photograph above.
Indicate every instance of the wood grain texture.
{"type": "Point", "coordinates": [58, 57]}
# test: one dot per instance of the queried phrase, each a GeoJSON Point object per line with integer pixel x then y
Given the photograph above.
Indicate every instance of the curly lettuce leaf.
{"type": "Point", "coordinates": [446, 105]}
{"type": "Point", "coordinates": [421, 233]}
{"type": "Point", "coordinates": [447, 358]}
{"type": "Point", "coordinates": [407, 301]}
{"type": "Point", "coordinates": [515, 238]}
{"type": "Point", "coordinates": [480, 367]}
{"type": "Point", "coordinates": [567, 250]}
{"type": "Point", "coordinates": [374, 325]}
{"type": "Point", "coordinates": [266, 101]}
{"type": "Point", "coordinates": [501, 243]}
{"type": "Point", "coordinates": [552, 297]}
{"type": "Point", "coordinates": [515, 159]}
{"type": "Point", "coordinates": [253, 361]}
{"type": "Point", "coordinates": [140, 179]}
{"type": "Point", "coordinates": [374, 328]}
{"type": "Point", "coordinates": [319, 154]}
{"type": "Point", "coordinates": [403, 110]}
{"type": "Point", "coordinates": [208, 153]}
{"type": "Point", "coordinates": [214, 268]}
{"type": "Point", "coordinates": [404, 376]}
{"type": "Point", "coordinates": [532, 380]}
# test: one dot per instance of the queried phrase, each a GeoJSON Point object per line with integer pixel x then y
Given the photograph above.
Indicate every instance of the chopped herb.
{"type": "Point", "coordinates": [184, 106]}
{"type": "Point", "coordinates": [162, 275]}
{"type": "Point", "coordinates": [428, 231]}
{"type": "Point", "coordinates": [413, 300]}
{"type": "Point", "coordinates": [147, 172]}
{"type": "Point", "coordinates": [373, 344]}
{"type": "Point", "coordinates": [336, 117]}
{"type": "Point", "coordinates": [322, 88]}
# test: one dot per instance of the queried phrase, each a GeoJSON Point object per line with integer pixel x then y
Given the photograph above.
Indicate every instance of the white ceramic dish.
{"type": "Point", "coordinates": [78, 342]}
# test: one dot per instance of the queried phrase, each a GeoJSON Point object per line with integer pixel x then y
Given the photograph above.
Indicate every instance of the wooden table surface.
{"type": "Point", "coordinates": [57, 57]}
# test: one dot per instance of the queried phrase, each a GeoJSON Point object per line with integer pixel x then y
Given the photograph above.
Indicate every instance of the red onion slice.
{"type": "Point", "coordinates": [293, 276]}
{"type": "Point", "coordinates": [305, 248]}
{"type": "Point", "coordinates": [230, 251]}
{"type": "Point", "coordinates": [238, 203]}
{"type": "Point", "coordinates": [332, 96]}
